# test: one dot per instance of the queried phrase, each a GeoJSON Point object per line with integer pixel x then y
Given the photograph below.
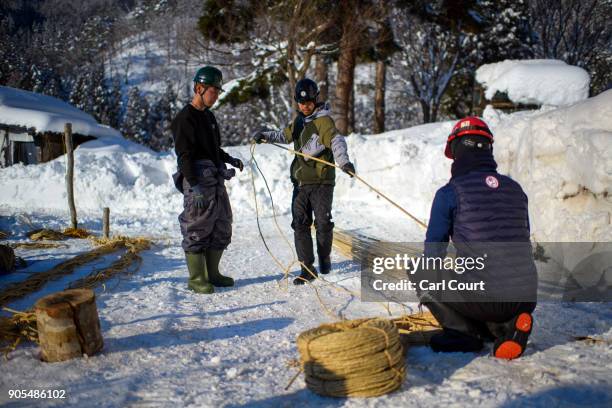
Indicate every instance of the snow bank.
{"type": "Point", "coordinates": [562, 157]}
{"type": "Point", "coordinates": [47, 114]}
{"type": "Point", "coordinates": [542, 82]}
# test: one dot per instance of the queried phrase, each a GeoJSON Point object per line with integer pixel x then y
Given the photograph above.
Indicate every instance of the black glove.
{"type": "Point", "coordinates": [258, 137]}
{"type": "Point", "coordinates": [198, 197]}
{"type": "Point", "coordinates": [237, 163]}
{"type": "Point", "coordinates": [349, 169]}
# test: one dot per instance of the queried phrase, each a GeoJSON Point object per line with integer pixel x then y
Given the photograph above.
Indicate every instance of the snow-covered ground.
{"type": "Point", "coordinates": [167, 346]}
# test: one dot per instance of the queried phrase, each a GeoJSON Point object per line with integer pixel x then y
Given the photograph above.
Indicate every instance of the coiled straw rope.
{"type": "Point", "coordinates": [352, 358]}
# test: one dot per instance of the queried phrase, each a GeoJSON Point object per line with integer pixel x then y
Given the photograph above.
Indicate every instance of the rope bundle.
{"type": "Point", "coordinates": [352, 358]}
{"type": "Point", "coordinates": [52, 235]}
{"type": "Point", "coordinates": [36, 281]}
{"type": "Point", "coordinates": [15, 329]}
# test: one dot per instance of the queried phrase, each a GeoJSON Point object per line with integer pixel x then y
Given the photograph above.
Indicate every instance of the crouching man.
{"type": "Point", "coordinates": [480, 208]}
{"type": "Point", "coordinates": [312, 132]}
{"type": "Point", "coordinates": [206, 220]}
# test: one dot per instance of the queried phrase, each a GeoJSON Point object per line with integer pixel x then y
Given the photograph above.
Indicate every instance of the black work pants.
{"type": "Point", "coordinates": [308, 200]}
{"type": "Point", "coordinates": [485, 320]}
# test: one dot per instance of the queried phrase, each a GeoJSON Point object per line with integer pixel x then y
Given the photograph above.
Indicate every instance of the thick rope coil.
{"type": "Point", "coordinates": [352, 358]}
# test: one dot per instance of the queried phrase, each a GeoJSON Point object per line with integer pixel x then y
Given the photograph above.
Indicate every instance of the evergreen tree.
{"type": "Point", "coordinates": [160, 117]}
{"type": "Point", "coordinates": [99, 92]}
{"type": "Point", "coordinates": [79, 95]}
{"type": "Point", "coordinates": [135, 124]}
{"type": "Point", "coordinates": [111, 112]}
{"type": "Point", "coordinates": [44, 80]}
{"type": "Point", "coordinates": [506, 33]}
{"type": "Point", "coordinates": [89, 92]}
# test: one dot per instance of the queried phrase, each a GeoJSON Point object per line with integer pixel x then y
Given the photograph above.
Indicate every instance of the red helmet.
{"type": "Point", "coordinates": [471, 125]}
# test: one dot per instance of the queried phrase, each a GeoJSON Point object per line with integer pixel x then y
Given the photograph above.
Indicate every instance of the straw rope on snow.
{"type": "Point", "coordinates": [22, 325]}
{"type": "Point", "coordinates": [53, 235]}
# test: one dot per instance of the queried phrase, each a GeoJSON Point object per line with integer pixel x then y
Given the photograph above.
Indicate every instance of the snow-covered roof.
{"type": "Point", "coordinates": [47, 114]}
{"type": "Point", "coordinates": [542, 82]}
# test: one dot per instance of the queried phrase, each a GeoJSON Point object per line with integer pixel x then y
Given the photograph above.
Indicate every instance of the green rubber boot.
{"type": "Point", "coordinates": [213, 257]}
{"type": "Point", "coordinates": [198, 274]}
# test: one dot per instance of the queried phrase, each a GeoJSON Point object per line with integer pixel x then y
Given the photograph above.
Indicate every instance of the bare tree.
{"type": "Point", "coordinates": [577, 32]}
{"type": "Point", "coordinates": [379, 97]}
{"type": "Point", "coordinates": [384, 47]}
{"type": "Point", "coordinates": [571, 30]}
{"type": "Point", "coordinates": [322, 76]}
{"type": "Point", "coordinates": [355, 20]}
{"type": "Point", "coordinates": [431, 56]}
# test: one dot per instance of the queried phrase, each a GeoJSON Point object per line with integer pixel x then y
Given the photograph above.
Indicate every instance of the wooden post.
{"type": "Point", "coordinates": [7, 259]}
{"type": "Point", "coordinates": [68, 325]}
{"type": "Point", "coordinates": [106, 222]}
{"type": "Point", "coordinates": [70, 173]}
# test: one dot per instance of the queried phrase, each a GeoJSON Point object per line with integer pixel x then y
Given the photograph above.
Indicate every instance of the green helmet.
{"type": "Point", "coordinates": [209, 76]}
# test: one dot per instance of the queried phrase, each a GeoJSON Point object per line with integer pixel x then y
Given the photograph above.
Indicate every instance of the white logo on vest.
{"type": "Point", "coordinates": [492, 181]}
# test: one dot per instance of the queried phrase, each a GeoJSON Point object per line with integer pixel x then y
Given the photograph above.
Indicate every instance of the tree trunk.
{"type": "Point", "coordinates": [322, 77]}
{"type": "Point", "coordinates": [425, 108]}
{"type": "Point", "coordinates": [434, 112]}
{"type": "Point", "coordinates": [351, 111]}
{"type": "Point", "coordinates": [379, 98]}
{"type": "Point", "coordinates": [68, 325]}
{"type": "Point", "coordinates": [344, 85]}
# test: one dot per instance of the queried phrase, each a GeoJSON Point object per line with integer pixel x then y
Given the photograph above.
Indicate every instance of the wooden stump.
{"type": "Point", "coordinates": [7, 259]}
{"type": "Point", "coordinates": [68, 325]}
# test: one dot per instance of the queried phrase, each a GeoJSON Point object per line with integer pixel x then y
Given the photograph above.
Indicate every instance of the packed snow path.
{"type": "Point", "coordinates": [166, 346]}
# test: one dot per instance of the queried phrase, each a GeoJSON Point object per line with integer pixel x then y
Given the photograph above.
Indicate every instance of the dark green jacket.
{"type": "Point", "coordinates": [317, 136]}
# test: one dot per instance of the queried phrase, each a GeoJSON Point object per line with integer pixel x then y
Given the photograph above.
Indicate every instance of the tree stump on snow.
{"type": "Point", "coordinates": [68, 325]}
{"type": "Point", "coordinates": [7, 259]}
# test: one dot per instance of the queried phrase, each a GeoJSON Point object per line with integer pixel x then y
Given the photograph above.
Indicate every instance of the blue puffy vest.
{"type": "Point", "coordinates": [492, 218]}
{"type": "Point", "coordinates": [490, 208]}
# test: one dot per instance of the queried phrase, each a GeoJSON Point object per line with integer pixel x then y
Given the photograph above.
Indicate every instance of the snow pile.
{"type": "Point", "coordinates": [541, 82]}
{"type": "Point", "coordinates": [128, 178]}
{"type": "Point", "coordinates": [48, 114]}
{"type": "Point", "coordinates": [562, 157]}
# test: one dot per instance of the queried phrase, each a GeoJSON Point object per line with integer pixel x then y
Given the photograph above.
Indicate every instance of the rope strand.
{"type": "Point", "coordinates": [305, 155]}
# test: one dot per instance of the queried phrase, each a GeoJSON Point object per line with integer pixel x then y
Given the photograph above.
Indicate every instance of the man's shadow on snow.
{"type": "Point", "coordinates": [176, 316]}
{"type": "Point", "coordinates": [565, 395]}
{"type": "Point", "coordinates": [299, 398]}
{"type": "Point", "coordinates": [344, 267]}
{"type": "Point", "coordinates": [551, 326]}
{"type": "Point", "coordinates": [169, 337]}
{"type": "Point", "coordinates": [419, 372]}
{"type": "Point", "coordinates": [239, 282]}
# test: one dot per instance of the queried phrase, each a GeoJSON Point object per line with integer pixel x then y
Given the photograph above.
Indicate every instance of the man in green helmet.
{"type": "Point", "coordinates": [206, 220]}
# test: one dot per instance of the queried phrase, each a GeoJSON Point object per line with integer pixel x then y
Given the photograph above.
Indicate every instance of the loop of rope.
{"type": "Point", "coordinates": [305, 155]}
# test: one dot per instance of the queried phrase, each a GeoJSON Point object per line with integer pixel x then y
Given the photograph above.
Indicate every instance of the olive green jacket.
{"type": "Point", "coordinates": [317, 137]}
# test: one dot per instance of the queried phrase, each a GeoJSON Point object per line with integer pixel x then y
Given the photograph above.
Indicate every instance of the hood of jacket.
{"type": "Point", "coordinates": [321, 109]}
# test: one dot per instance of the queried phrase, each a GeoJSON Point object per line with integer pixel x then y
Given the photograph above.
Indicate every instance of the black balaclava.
{"type": "Point", "coordinates": [472, 152]}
